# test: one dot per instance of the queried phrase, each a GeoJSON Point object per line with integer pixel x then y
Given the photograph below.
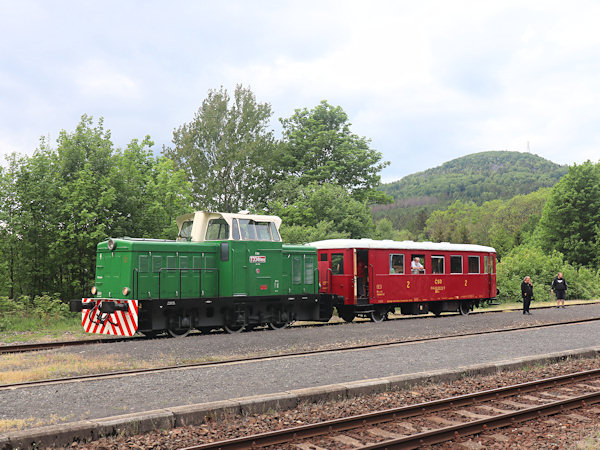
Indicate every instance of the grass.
{"type": "Point", "coordinates": [18, 329]}
{"type": "Point", "coordinates": [23, 367]}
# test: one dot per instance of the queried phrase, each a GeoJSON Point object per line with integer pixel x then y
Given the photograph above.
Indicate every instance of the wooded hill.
{"type": "Point", "coordinates": [478, 178]}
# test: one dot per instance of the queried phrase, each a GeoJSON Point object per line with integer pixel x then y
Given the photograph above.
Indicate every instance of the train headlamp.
{"type": "Point", "coordinates": [125, 291]}
{"type": "Point", "coordinates": [111, 245]}
{"type": "Point", "coordinates": [94, 290]}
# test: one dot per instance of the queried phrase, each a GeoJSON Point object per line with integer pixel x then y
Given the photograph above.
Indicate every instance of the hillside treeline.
{"type": "Point", "coordinates": [59, 202]}
{"type": "Point", "coordinates": [476, 178]}
{"type": "Point", "coordinates": [537, 234]}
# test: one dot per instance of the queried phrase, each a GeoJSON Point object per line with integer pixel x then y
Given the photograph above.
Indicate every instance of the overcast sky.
{"type": "Point", "coordinates": [426, 81]}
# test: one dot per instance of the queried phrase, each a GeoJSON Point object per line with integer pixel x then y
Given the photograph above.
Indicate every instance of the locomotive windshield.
{"type": "Point", "coordinates": [251, 230]}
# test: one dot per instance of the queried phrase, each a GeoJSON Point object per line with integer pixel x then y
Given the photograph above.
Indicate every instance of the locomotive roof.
{"type": "Point", "coordinates": [399, 245]}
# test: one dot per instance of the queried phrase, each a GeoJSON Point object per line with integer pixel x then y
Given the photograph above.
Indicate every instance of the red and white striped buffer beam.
{"type": "Point", "coordinates": [117, 323]}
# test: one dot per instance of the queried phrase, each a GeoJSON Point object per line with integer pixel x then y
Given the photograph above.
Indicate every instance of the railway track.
{"type": "Point", "coordinates": [282, 355]}
{"type": "Point", "coordinates": [434, 422]}
{"type": "Point", "coordinates": [24, 348]}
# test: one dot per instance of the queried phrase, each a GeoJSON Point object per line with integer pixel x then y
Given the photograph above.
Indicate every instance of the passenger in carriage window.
{"type": "Point", "coordinates": [416, 267]}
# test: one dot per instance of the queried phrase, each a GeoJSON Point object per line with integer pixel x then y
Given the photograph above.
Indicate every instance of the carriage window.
{"type": "Point", "coordinates": [417, 264]}
{"type": "Point", "coordinates": [397, 264]}
{"type": "Point", "coordinates": [456, 264]}
{"type": "Point", "coordinates": [473, 264]}
{"type": "Point", "coordinates": [337, 263]}
{"type": "Point", "coordinates": [323, 256]}
{"type": "Point", "coordinates": [236, 230]}
{"type": "Point", "coordinates": [217, 229]}
{"type": "Point", "coordinates": [485, 264]}
{"type": "Point", "coordinates": [437, 264]}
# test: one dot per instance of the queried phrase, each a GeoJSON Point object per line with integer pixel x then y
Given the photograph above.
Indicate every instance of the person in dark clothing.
{"type": "Point", "coordinates": [527, 294]}
{"type": "Point", "coordinates": [559, 287]}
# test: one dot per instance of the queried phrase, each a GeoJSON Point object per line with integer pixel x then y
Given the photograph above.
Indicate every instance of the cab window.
{"type": "Point", "coordinates": [186, 230]}
{"type": "Point", "coordinates": [218, 229]}
{"type": "Point", "coordinates": [236, 230]}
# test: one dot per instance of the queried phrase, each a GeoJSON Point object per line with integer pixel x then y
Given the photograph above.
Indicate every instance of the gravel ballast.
{"type": "Point", "coordinates": [104, 398]}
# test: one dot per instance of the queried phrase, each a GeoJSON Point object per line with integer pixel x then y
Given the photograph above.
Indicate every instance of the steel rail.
{"type": "Point", "coordinates": [344, 424]}
{"type": "Point", "coordinates": [278, 356]}
{"type": "Point", "coordinates": [23, 348]}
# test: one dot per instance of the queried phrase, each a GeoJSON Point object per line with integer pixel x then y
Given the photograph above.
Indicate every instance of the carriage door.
{"type": "Point", "coordinates": [342, 274]}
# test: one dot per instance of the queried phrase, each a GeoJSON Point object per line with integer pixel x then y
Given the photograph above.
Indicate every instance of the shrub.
{"type": "Point", "coordinates": [524, 261]}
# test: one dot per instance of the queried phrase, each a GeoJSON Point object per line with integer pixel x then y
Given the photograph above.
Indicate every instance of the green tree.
{"type": "Point", "coordinates": [319, 147]}
{"type": "Point", "coordinates": [324, 212]}
{"type": "Point", "coordinates": [570, 220]}
{"type": "Point", "coordinates": [227, 151]}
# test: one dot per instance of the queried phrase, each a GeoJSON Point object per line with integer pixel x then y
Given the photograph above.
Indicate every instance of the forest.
{"type": "Point", "coordinates": [322, 179]}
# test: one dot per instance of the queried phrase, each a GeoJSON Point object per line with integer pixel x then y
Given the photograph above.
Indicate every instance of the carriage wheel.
{"type": "Point", "coordinates": [464, 308]}
{"type": "Point", "coordinates": [378, 315]}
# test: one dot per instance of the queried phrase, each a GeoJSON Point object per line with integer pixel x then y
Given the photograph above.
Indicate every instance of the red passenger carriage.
{"type": "Point", "coordinates": [372, 278]}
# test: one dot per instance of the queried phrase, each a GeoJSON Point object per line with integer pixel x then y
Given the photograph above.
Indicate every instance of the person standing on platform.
{"type": "Point", "coordinates": [527, 294]}
{"type": "Point", "coordinates": [559, 287]}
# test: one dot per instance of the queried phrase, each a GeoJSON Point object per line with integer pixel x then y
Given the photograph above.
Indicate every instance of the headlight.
{"type": "Point", "coordinates": [125, 291]}
{"type": "Point", "coordinates": [111, 244]}
{"type": "Point", "coordinates": [94, 290]}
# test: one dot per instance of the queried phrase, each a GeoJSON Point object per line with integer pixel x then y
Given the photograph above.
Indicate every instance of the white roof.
{"type": "Point", "coordinates": [396, 245]}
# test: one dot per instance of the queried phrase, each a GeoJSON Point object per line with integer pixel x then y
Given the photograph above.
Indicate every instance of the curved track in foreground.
{"type": "Point", "coordinates": [437, 421]}
{"type": "Point", "coordinates": [24, 348]}
{"type": "Point", "coordinates": [283, 355]}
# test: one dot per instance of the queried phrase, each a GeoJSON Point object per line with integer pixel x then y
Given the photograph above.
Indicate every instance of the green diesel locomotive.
{"type": "Point", "coordinates": [224, 270]}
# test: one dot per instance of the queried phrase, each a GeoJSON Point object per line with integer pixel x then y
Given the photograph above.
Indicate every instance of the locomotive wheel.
{"type": "Point", "coordinates": [179, 332]}
{"type": "Point", "coordinates": [378, 315]}
{"type": "Point", "coordinates": [464, 308]}
{"type": "Point", "coordinates": [278, 325]}
{"type": "Point", "coordinates": [233, 329]}
{"type": "Point", "coordinates": [346, 313]}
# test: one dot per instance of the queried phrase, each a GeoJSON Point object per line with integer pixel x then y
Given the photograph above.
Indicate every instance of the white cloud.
{"type": "Point", "coordinates": [426, 81]}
